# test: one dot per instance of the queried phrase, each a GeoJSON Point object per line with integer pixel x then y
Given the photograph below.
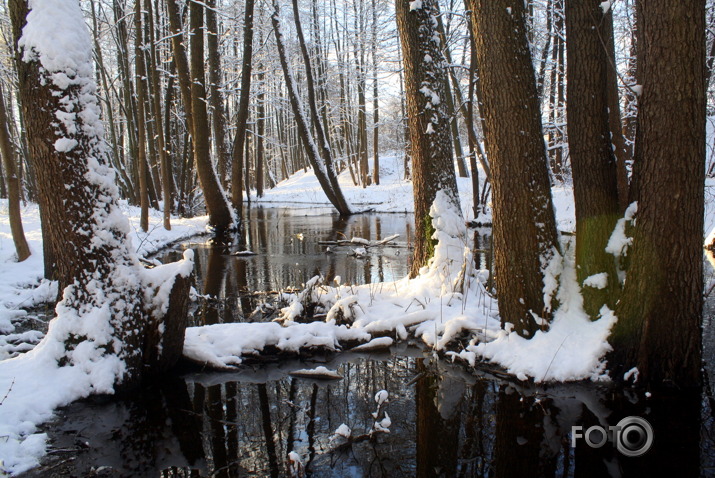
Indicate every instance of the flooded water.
{"type": "Point", "coordinates": [444, 420]}
{"type": "Point", "coordinates": [287, 252]}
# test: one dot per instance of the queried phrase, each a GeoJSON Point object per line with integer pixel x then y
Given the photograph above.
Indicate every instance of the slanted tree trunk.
{"type": "Point", "coordinates": [425, 74]}
{"type": "Point", "coordinates": [242, 119]}
{"type": "Point", "coordinates": [221, 217]}
{"type": "Point", "coordinates": [525, 238]}
{"type": "Point", "coordinates": [180, 60]}
{"type": "Point", "coordinates": [593, 163]}
{"type": "Point", "coordinates": [461, 164]}
{"type": "Point", "coordinates": [110, 315]}
{"type": "Point", "coordinates": [660, 311]}
{"type": "Point", "coordinates": [324, 170]}
{"type": "Point", "coordinates": [13, 186]}
{"type": "Point", "coordinates": [323, 144]}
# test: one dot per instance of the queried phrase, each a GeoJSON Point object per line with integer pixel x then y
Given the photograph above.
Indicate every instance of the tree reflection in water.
{"type": "Point", "coordinates": [446, 421]}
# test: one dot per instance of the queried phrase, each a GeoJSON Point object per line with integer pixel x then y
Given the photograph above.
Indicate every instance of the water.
{"type": "Point", "coordinates": [446, 421]}
{"type": "Point", "coordinates": [287, 248]}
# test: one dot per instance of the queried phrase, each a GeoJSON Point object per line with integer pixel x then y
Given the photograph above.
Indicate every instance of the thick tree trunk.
{"type": "Point", "coordinates": [221, 218]}
{"type": "Point", "coordinates": [109, 302]}
{"type": "Point", "coordinates": [525, 238]}
{"type": "Point", "coordinates": [13, 186]}
{"type": "Point", "coordinates": [425, 74]}
{"type": "Point", "coordinates": [593, 163]}
{"type": "Point", "coordinates": [660, 312]}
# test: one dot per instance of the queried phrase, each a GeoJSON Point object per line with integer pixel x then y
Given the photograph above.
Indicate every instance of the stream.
{"type": "Point", "coordinates": [444, 420]}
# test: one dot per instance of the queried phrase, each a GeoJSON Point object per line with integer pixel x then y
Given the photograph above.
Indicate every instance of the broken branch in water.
{"type": "Point", "coordinates": [361, 241]}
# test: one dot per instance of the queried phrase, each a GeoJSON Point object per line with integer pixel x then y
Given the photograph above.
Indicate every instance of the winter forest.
{"type": "Point", "coordinates": [357, 238]}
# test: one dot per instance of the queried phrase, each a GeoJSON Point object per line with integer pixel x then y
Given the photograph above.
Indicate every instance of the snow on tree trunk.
{"type": "Point", "coordinates": [428, 119]}
{"type": "Point", "coordinates": [108, 297]}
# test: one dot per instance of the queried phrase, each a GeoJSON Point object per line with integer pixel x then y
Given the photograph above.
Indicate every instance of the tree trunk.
{"type": "Point", "coordinates": [525, 238]}
{"type": "Point", "coordinates": [221, 218]}
{"type": "Point", "coordinates": [105, 289]}
{"type": "Point", "coordinates": [242, 119]}
{"type": "Point", "coordinates": [180, 60]}
{"type": "Point", "coordinates": [324, 171]}
{"type": "Point", "coordinates": [454, 127]}
{"type": "Point", "coordinates": [593, 163]}
{"type": "Point", "coordinates": [216, 97]}
{"type": "Point", "coordinates": [261, 131]}
{"type": "Point", "coordinates": [13, 186]}
{"type": "Point", "coordinates": [164, 159]}
{"type": "Point", "coordinates": [621, 150]}
{"type": "Point", "coordinates": [425, 74]}
{"type": "Point", "coordinates": [375, 105]}
{"type": "Point", "coordinates": [323, 145]}
{"type": "Point", "coordinates": [141, 116]}
{"type": "Point", "coordinates": [660, 312]}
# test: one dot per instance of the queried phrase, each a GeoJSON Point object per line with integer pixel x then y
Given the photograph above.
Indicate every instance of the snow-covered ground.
{"type": "Point", "coordinates": [394, 194]}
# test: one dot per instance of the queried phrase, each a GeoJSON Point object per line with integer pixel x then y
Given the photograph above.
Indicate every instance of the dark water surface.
{"type": "Point", "coordinates": [445, 420]}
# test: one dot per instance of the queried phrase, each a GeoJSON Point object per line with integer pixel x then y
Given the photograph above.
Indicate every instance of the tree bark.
{"type": "Point", "coordinates": [525, 237]}
{"type": "Point", "coordinates": [102, 281]}
{"type": "Point", "coordinates": [221, 218]}
{"type": "Point", "coordinates": [593, 162]}
{"type": "Point", "coordinates": [660, 312]}
{"type": "Point", "coordinates": [425, 75]}
{"type": "Point", "coordinates": [242, 119]}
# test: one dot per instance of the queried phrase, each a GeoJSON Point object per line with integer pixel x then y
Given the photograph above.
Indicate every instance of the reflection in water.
{"type": "Point", "coordinates": [288, 253]}
{"type": "Point", "coordinates": [445, 422]}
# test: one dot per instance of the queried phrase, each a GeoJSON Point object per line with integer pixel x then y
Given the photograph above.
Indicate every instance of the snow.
{"type": "Point", "coordinates": [343, 430]}
{"type": "Point", "coordinates": [318, 372]}
{"type": "Point", "coordinates": [447, 299]}
{"type": "Point", "coordinates": [415, 5]}
{"type": "Point", "coordinates": [605, 6]}
{"type": "Point", "coordinates": [597, 281]}
{"type": "Point", "coordinates": [34, 384]}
